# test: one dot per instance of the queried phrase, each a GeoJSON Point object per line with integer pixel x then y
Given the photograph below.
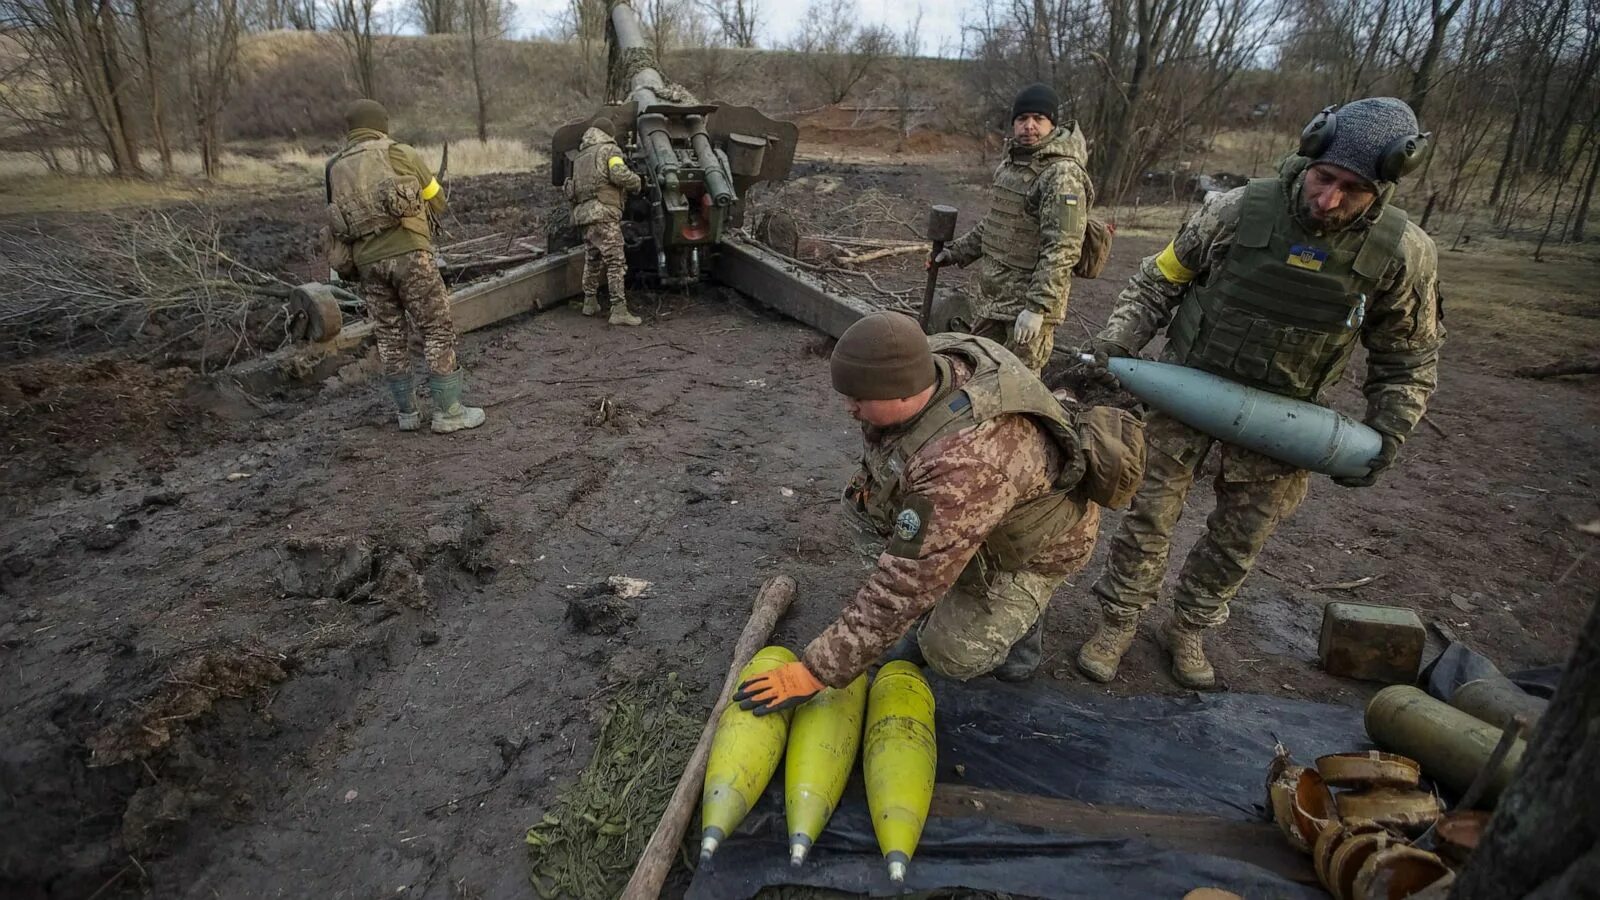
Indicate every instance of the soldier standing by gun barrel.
{"type": "Point", "coordinates": [597, 188]}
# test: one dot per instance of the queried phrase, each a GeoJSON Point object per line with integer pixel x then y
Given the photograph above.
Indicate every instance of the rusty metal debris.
{"type": "Point", "coordinates": [1357, 837]}
{"type": "Point", "coordinates": [1369, 768]}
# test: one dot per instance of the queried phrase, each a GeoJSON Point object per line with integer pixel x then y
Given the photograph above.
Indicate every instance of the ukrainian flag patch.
{"type": "Point", "coordinates": [1303, 256]}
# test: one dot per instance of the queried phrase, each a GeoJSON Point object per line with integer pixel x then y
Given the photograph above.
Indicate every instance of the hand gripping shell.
{"type": "Point", "coordinates": [744, 756]}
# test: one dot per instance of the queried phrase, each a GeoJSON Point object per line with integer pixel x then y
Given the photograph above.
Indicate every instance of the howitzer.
{"type": "Point", "coordinates": [697, 160]}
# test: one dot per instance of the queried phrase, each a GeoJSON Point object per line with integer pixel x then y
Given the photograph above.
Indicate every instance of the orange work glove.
{"type": "Point", "coordinates": [790, 684]}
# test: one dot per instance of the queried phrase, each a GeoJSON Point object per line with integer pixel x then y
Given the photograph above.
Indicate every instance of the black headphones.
{"type": "Point", "coordinates": [1399, 157]}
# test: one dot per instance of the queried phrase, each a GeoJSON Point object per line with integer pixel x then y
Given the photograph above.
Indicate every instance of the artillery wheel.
{"type": "Point", "coordinates": [314, 313]}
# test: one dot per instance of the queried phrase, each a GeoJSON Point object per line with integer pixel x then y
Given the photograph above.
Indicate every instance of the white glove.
{"type": "Point", "coordinates": [1029, 324]}
{"type": "Point", "coordinates": [942, 258]}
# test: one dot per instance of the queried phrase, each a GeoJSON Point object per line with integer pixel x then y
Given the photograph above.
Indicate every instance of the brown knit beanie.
{"type": "Point", "coordinates": [883, 356]}
{"type": "Point", "coordinates": [366, 114]}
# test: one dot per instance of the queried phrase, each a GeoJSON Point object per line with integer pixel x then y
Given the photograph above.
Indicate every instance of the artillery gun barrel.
{"type": "Point", "coordinates": [716, 182]}
{"type": "Point", "coordinates": [646, 84]}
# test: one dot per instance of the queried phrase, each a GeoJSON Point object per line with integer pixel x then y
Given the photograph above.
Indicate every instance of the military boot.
{"type": "Point", "coordinates": [1189, 666]}
{"type": "Point", "coordinates": [405, 402]}
{"type": "Point", "coordinates": [591, 304]}
{"type": "Point", "coordinates": [621, 316]}
{"type": "Point", "coordinates": [1025, 655]}
{"type": "Point", "coordinates": [1102, 653]}
{"type": "Point", "coordinates": [448, 412]}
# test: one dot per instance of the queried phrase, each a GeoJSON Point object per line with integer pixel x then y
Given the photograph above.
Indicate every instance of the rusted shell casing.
{"type": "Point", "coordinates": [941, 223]}
{"type": "Point", "coordinates": [1450, 745]}
{"type": "Point", "coordinates": [1407, 810]}
{"type": "Point", "coordinates": [1369, 768]}
{"type": "Point", "coordinates": [1371, 642]}
{"type": "Point", "coordinates": [1497, 700]}
{"type": "Point", "coordinates": [1397, 872]}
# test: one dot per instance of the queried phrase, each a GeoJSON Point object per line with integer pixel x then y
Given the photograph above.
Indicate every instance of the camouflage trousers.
{"type": "Point", "coordinates": [972, 628]}
{"type": "Point", "coordinates": [603, 258]}
{"type": "Point", "coordinates": [1254, 494]}
{"type": "Point", "coordinates": [409, 286]}
{"type": "Point", "coordinates": [1034, 354]}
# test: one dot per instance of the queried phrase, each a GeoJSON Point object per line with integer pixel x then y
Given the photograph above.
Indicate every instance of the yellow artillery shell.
{"type": "Point", "coordinates": [899, 761]}
{"type": "Point", "coordinates": [823, 739]}
{"type": "Point", "coordinates": [744, 755]}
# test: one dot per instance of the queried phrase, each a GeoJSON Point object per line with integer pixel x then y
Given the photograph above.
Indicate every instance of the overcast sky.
{"type": "Point", "coordinates": [941, 19]}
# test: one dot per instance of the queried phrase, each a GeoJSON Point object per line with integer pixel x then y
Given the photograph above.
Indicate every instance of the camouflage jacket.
{"type": "Point", "coordinates": [600, 178]}
{"type": "Point", "coordinates": [966, 484]}
{"type": "Point", "coordinates": [1055, 209]}
{"type": "Point", "coordinates": [1402, 332]}
{"type": "Point", "coordinates": [406, 161]}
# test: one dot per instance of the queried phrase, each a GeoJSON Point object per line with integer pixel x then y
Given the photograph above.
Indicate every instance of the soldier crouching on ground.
{"type": "Point", "coordinates": [597, 189]}
{"type": "Point", "coordinates": [987, 490]}
{"type": "Point", "coordinates": [379, 195]}
{"type": "Point", "coordinates": [1271, 285]}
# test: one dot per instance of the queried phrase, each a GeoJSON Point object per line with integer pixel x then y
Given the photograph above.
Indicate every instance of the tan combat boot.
{"type": "Point", "coordinates": [1189, 666]}
{"type": "Point", "coordinates": [621, 316]}
{"type": "Point", "coordinates": [591, 304]}
{"type": "Point", "coordinates": [1101, 654]}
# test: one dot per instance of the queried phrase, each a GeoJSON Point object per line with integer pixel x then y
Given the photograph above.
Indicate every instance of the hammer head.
{"type": "Point", "coordinates": [941, 223]}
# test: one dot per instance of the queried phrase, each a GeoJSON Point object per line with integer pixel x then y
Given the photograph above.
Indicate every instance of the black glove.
{"type": "Point", "coordinates": [1375, 466]}
{"type": "Point", "coordinates": [1098, 370]}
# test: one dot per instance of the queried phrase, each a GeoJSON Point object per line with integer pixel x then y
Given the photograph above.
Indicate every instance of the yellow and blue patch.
{"type": "Point", "coordinates": [1304, 256]}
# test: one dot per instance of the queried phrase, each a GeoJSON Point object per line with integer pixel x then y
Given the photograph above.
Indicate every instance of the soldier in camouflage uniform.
{"type": "Point", "coordinates": [971, 470]}
{"type": "Point", "coordinates": [600, 179]}
{"type": "Point", "coordinates": [379, 194]}
{"type": "Point", "coordinates": [1032, 235]}
{"type": "Point", "coordinates": [1271, 285]}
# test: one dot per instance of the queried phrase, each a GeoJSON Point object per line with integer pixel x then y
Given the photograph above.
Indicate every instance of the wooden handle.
{"type": "Point", "coordinates": [771, 603]}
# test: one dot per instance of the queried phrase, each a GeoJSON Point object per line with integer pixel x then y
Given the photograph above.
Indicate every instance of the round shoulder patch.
{"type": "Point", "coordinates": [907, 525]}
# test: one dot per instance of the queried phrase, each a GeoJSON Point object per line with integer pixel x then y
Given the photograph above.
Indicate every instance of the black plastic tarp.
{"type": "Point", "coordinates": [1202, 754]}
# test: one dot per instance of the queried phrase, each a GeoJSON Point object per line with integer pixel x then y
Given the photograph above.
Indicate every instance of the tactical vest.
{"type": "Point", "coordinates": [367, 197]}
{"type": "Point", "coordinates": [594, 197]}
{"type": "Point", "coordinates": [1010, 235]}
{"type": "Point", "coordinates": [1284, 309]}
{"type": "Point", "coordinates": [1000, 384]}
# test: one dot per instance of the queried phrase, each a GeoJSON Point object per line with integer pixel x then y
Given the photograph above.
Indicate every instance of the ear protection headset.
{"type": "Point", "coordinates": [1399, 157]}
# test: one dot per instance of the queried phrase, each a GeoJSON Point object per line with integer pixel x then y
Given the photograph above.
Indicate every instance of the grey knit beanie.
{"type": "Point", "coordinates": [1365, 128]}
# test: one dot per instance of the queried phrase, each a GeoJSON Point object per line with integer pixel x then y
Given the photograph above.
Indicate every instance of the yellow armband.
{"type": "Point", "coordinates": [432, 190]}
{"type": "Point", "coordinates": [614, 161]}
{"type": "Point", "coordinates": [1172, 270]}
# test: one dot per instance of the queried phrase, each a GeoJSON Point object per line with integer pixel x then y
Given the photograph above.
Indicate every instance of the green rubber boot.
{"type": "Point", "coordinates": [448, 412]}
{"type": "Point", "coordinates": [405, 402]}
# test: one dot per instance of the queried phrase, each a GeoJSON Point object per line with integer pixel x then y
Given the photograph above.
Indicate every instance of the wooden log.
{"type": "Point", "coordinates": [1560, 368]}
{"type": "Point", "coordinates": [656, 861]}
{"type": "Point", "coordinates": [880, 254]}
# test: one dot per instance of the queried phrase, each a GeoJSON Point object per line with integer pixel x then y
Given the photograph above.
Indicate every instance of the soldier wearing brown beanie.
{"type": "Point", "coordinates": [971, 471]}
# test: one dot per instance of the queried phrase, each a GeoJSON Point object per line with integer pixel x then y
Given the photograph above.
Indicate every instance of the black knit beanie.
{"type": "Point", "coordinates": [1036, 98]}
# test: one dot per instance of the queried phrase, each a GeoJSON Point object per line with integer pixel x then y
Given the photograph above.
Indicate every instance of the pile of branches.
{"type": "Point", "coordinates": [147, 276]}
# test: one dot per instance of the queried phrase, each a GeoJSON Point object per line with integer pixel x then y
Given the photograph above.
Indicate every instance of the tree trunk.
{"type": "Point", "coordinates": [473, 9]}
{"type": "Point", "coordinates": [117, 85]}
{"type": "Point", "coordinates": [152, 79]}
{"type": "Point", "coordinates": [1582, 217]}
{"type": "Point", "coordinates": [1422, 81]}
{"type": "Point", "coordinates": [1542, 841]}
{"type": "Point", "coordinates": [1508, 158]}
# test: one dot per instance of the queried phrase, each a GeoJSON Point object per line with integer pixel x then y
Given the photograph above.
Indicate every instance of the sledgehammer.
{"type": "Point", "coordinates": [941, 228]}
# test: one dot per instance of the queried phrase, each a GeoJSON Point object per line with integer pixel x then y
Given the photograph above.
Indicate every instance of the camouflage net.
{"type": "Point", "coordinates": [586, 847]}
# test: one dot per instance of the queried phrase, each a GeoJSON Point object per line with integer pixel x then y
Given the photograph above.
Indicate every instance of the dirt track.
{"type": "Point", "coordinates": [332, 660]}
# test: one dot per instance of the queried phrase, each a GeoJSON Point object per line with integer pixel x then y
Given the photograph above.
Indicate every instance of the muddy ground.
{"type": "Point", "coordinates": [270, 647]}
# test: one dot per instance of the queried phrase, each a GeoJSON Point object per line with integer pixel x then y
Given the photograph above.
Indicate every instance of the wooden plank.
{"type": "Point", "coordinates": [768, 279]}
{"type": "Point", "coordinates": [1258, 843]}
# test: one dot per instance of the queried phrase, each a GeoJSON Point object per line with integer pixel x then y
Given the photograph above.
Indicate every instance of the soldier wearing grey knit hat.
{"type": "Point", "coordinates": [1377, 139]}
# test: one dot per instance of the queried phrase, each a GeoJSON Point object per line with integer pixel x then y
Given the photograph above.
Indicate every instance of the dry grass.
{"type": "Point", "coordinates": [467, 157]}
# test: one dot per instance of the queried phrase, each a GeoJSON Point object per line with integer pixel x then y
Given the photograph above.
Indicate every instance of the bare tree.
{"type": "Point", "coordinates": [210, 63]}
{"type": "Point", "coordinates": [437, 16]}
{"type": "Point", "coordinates": [584, 23]}
{"type": "Point", "coordinates": [486, 24]}
{"type": "Point", "coordinates": [909, 47]}
{"type": "Point", "coordinates": [358, 24]}
{"type": "Point", "coordinates": [836, 49]}
{"type": "Point", "coordinates": [739, 20]}
{"type": "Point", "coordinates": [85, 36]}
{"type": "Point", "coordinates": [147, 17]}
